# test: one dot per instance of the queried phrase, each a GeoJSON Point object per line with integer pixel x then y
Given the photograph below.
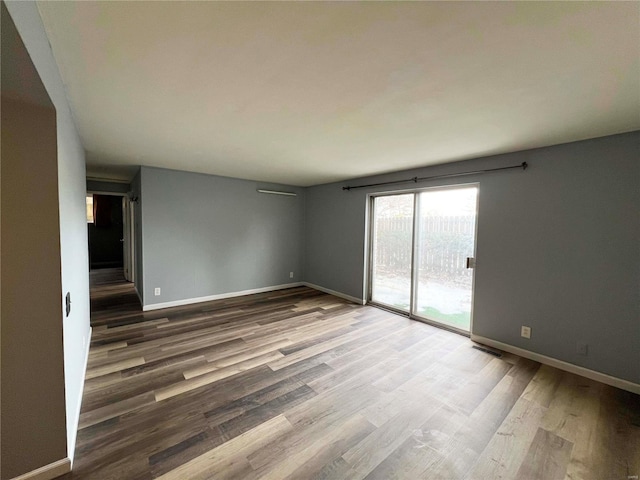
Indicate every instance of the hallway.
{"type": "Point", "coordinates": [114, 301]}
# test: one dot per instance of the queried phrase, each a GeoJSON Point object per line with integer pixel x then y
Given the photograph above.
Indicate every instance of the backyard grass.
{"type": "Point", "coordinates": [459, 320]}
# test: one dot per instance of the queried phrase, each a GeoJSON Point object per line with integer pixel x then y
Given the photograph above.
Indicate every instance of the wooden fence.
{"type": "Point", "coordinates": [444, 243]}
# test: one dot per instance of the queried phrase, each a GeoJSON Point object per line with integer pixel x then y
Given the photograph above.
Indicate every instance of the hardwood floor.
{"type": "Point", "coordinates": [299, 384]}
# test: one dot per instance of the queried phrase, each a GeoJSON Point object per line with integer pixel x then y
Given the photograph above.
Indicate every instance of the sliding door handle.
{"type": "Point", "coordinates": [471, 262]}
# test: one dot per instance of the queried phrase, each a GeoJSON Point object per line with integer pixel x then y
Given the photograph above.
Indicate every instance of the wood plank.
{"type": "Point", "coordinates": [228, 454]}
{"type": "Point", "coordinates": [426, 451]}
{"type": "Point", "coordinates": [245, 354]}
{"type": "Point", "coordinates": [509, 446]}
{"type": "Point", "coordinates": [321, 449]}
{"type": "Point", "coordinates": [113, 367]}
{"type": "Point", "coordinates": [547, 457]}
{"type": "Point", "coordinates": [192, 383]}
{"type": "Point", "coordinates": [115, 409]}
{"type": "Point", "coordinates": [377, 446]}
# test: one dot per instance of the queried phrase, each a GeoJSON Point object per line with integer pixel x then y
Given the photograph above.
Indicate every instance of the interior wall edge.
{"type": "Point", "coordinates": [351, 298]}
{"type": "Point", "coordinates": [71, 181]}
{"type": "Point", "coordinates": [71, 453]}
{"type": "Point", "coordinates": [139, 297]}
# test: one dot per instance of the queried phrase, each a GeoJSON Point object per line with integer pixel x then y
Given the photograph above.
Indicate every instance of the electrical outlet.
{"type": "Point", "coordinates": [525, 331]}
{"type": "Point", "coordinates": [290, 274]}
{"type": "Point", "coordinates": [156, 292]}
{"type": "Point", "coordinates": [582, 348]}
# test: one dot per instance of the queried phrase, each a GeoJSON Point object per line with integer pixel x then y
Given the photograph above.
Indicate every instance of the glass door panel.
{"type": "Point", "coordinates": [445, 238]}
{"type": "Point", "coordinates": [392, 245]}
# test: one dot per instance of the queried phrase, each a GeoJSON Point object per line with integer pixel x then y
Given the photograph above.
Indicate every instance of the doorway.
{"type": "Point", "coordinates": [110, 231]}
{"type": "Point", "coordinates": [422, 254]}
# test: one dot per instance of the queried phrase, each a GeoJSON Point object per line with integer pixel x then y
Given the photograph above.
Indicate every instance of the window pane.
{"type": "Point", "coordinates": [391, 259]}
{"type": "Point", "coordinates": [446, 238]}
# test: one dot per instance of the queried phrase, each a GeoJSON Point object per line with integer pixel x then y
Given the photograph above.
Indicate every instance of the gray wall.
{"type": "Point", "coordinates": [206, 235]}
{"type": "Point", "coordinates": [102, 186]}
{"type": "Point", "coordinates": [33, 430]}
{"type": "Point", "coordinates": [557, 248]}
{"type": "Point", "coordinates": [73, 254]}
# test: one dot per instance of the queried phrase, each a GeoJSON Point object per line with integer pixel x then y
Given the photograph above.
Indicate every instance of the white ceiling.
{"type": "Point", "coordinates": [308, 93]}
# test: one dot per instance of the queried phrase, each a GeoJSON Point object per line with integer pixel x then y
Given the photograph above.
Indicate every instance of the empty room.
{"type": "Point", "coordinates": [320, 240]}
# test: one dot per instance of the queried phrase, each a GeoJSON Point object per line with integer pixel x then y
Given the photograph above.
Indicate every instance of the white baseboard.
{"type": "Point", "coordinates": [562, 365]}
{"type": "Point", "coordinates": [189, 301]}
{"type": "Point", "coordinates": [359, 301]}
{"type": "Point", "coordinates": [48, 472]}
{"type": "Point", "coordinates": [71, 446]}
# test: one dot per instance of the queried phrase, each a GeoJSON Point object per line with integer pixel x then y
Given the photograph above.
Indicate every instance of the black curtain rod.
{"type": "Point", "coordinates": [523, 166]}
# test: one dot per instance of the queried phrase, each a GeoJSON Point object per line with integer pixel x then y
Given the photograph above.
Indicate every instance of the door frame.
{"type": "Point", "coordinates": [370, 260]}
{"type": "Point", "coordinates": [129, 251]}
{"type": "Point", "coordinates": [128, 225]}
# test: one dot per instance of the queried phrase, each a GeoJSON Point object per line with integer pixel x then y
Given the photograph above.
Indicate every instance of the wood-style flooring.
{"type": "Point", "coordinates": [297, 384]}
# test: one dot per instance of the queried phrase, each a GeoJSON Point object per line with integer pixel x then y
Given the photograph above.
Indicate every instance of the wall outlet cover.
{"type": "Point", "coordinates": [157, 292]}
{"type": "Point", "coordinates": [525, 331]}
{"type": "Point", "coordinates": [582, 348]}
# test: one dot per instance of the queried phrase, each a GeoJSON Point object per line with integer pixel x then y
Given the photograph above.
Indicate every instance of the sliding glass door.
{"type": "Point", "coordinates": [392, 246]}
{"type": "Point", "coordinates": [423, 245]}
{"type": "Point", "coordinates": [446, 238]}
